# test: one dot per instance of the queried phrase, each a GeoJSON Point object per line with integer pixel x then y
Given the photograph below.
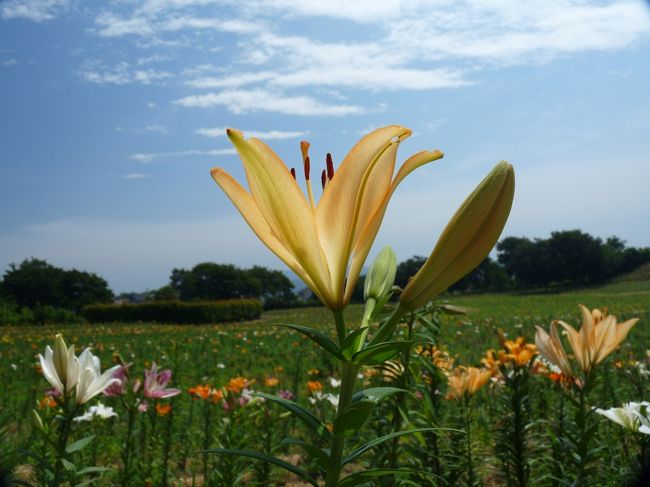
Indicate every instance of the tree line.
{"type": "Point", "coordinates": [38, 291]}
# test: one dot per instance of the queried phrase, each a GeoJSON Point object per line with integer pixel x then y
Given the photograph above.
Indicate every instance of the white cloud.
{"type": "Point", "coordinates": [415, 45]}
{"type": "Point", "coordinates": [269, 135]}
{"type": "Point", "coordinates": [34, 10]}
{"type": "Point", "coordinates": [121, 74]}
{"type": "Point", "coordinates": [146, 157]}
{"type": "Point", "coordinates": [135, 175]}
{"type": "Point", "coordinates": [247, 101]}
{"type": "Point", "coordinates": [148, 23]}
{"type": "Point", "coordinates": [8, 62]}
{"type": "Point", "coordinates": [159, 129]}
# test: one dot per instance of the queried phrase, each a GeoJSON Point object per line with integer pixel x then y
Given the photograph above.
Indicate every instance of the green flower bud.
{"type": "Point", "coordinates": [38, 422]}
{"type": "Point", "coordinates": [381, 276]}
{"type": "Point", "coordinates": [467, 239]}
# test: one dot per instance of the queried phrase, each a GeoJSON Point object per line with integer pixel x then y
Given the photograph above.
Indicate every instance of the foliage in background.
{"type": "Point", "coordinates": [176, 312]}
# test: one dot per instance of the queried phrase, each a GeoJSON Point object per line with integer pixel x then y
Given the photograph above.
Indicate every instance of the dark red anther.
{"type": "Point", "coordinates": [330, 166]}
{"type": "Point", "coordinates": [306, 168]}
{"type": "Point", "coordinates": [293, 173]}
{"type": "Point", "coordinates": [323, 179]}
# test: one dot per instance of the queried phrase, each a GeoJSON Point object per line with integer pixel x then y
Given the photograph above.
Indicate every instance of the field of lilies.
{"type": "Point", "coordinates": [482, 407]}
{"type": "Point", "coordinates": [406, 390]}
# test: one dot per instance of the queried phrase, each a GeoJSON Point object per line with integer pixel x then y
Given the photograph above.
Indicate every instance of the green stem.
{"type": "Point", "coordinates": [468, 427]}
{"type": "Point", "coordinates": [348, 379]}
{"type": "Point", "coordinates": [365, 322]}
{"type": "Point", "coordinates": [388, 328]}
{"type": "Point", "coordinates": [339, 320]}
{"type": "Point", "coordinates": [132, 408]}
{"type": "Point", "coordinates": [64, 434]}
{"type": "Point", "coordinates": [583, 418]}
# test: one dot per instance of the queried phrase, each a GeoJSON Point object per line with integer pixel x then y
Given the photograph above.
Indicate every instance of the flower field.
{"type": "Point", "coordinates": [513, 423]}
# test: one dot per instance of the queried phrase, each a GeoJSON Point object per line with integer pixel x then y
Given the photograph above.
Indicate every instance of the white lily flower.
{"type": "Point", "coordinates": [632, 416]}
{"type": "Point", "coordinates": [101, 411]}
{"type": "Point", "coordinates": [64, 371]}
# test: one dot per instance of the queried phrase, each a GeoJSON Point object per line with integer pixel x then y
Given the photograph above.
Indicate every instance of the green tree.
{"type": "Point", "coordinates": [407, 269]}
{"type": "Point", "coordinates": [208, 280]}
{"type": "Point", "coordinates": [36, 283]}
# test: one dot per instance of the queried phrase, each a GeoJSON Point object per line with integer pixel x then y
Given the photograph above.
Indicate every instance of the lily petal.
{"type": "Point", "coordinates": [368, 234]}
{"type": "Point", "coordinates": [283, 206]}
{"type": "Point", "coordinates": [337, 228]}
{"type": "Point", "coordinates": [245, 203]}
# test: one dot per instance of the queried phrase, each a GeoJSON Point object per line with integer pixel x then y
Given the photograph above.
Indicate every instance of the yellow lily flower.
{"type": "Point", "coordinates": [325, 244]}
{"type": "Point", "coordinates": [599, 336]}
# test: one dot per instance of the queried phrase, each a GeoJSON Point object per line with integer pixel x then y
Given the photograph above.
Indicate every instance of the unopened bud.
{"type": "Point", "coordinates": [60, 357]}
{"type": "Point", "coordinates": [38, 422]}
{"type": "Point", "coordinates": [380, 278]}
{"type": "Point", "coordinates": [467, 239]}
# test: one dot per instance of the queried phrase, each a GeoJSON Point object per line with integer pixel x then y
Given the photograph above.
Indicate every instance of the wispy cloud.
{"type": "Point", "coordinates": [135, 175]}
{"type": "Point", "coordinates": [247, 101]}
{"type": "Point", "coordinates": [8, 62]}
{"type": "Point", "coordinates": [269, 135]}
{"type": "Point", "coordinates": [158, 129]}
{"type": "Point", "coordinates": [121, 74]}
{"type": "Point", "coordinates": [146, 157]}
{"type": "Point", "coordinates": [34, 10]}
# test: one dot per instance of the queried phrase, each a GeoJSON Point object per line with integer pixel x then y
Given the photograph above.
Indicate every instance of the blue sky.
{"type": "Point", "coordinates": [112, 114]}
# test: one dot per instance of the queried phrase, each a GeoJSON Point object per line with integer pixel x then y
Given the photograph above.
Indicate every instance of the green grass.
{"type": "Point", "coordinates": [259, 349]}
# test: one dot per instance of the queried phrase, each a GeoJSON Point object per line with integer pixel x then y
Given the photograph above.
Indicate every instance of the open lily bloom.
{"type": "Point", "coordinates": [598, 336]}
{"type": "Point", "coordinates": [632, 416]}
{"type": "Point", "coordinates": [326, 243]}
{"type": "Point", "coordinates": [64, 371]}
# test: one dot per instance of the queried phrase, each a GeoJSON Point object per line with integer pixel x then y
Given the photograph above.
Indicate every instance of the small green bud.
{"type": "Point", "coordinates": [381, 276]}
{"type": "Point", "coordinates": [38, 422]}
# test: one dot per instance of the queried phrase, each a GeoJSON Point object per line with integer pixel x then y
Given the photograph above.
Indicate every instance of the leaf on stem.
{"type": "Point", "coordinates": [303, 414]}
{"type": "Point", "coordinates": [379, 353]}
{"type": "Point", "coordinates": [320, 338]}
{"type": "Point", "coordinates": [266, 458]}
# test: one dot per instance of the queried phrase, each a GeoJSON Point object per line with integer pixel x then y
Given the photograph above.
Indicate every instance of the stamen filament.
{"type": "Point", "coordinates": [310, 194]}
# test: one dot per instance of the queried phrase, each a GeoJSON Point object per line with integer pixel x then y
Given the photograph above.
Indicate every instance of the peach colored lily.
{"type": "Point", "coordinates": [466, 381]}
{"type": "Point", "coordinates": [325, 244]}
{"type": "Point", "coordinates": [599, 336]}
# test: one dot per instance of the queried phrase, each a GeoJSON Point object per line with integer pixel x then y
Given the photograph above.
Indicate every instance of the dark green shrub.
{"type": "Point", "coordinates": [176, 312]}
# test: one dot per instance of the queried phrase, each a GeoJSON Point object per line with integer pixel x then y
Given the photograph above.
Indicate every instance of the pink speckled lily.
{"type": "Point", "coordinates": [327, 243]}
{"type": "Point", "coordinates": [155, 383]}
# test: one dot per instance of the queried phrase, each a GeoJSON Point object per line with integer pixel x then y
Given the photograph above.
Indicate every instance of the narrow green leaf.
{"type": "Point", "coordinates": [376, 394]}
{"type": "Point", "coordinates": [379, 353]}
{"type": "Point", "coordinates": [353, 417]}
{"type": "Point", "coordinates": [351, 343]}
{"type": "Point", "coordinates": [378, 441]}
{"type": "Point", "coordinates": [79, 444]}
{"type": "Point", "coordinates": [320, 455]}
{"type": "Point", "coordinates": [356, 478]}
{"type": "Point", "coordinates": [320, 338]}
{"type": "Point", "coordinates": [303, 414]}
{"type": "Point", "coordinates": [40, 460]}
{"type": "Point", "coordinates": [265, 458]}
{"type": "Point", "coordinates": [69, 466]}
{"type": "Point", "coordinates": [88, 470]}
